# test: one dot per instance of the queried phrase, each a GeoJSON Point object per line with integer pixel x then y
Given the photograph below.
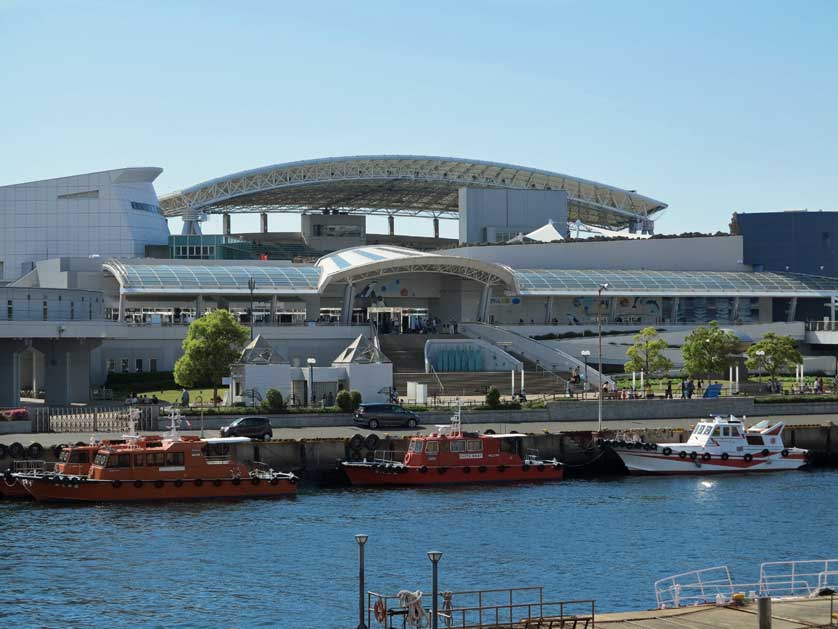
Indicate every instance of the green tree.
{"type": "Point", "coordinates": [344, 401]}
{"type": "Point", "coordinates": [709, 351]}
{"type": "Point", "coordinates": [212, 344]}
{"type": "Point", "coordinates": [493, 397]}
{"type": "Point", "coordinates": [778, 353]}
{"type": "Point", "coordinates": [647, 354]}
{"type": "Point", "coordinates": [356, 398]}
{"type": "Point", "coordinates": [273, 400]}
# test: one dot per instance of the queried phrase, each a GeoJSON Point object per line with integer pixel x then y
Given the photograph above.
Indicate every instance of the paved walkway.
{"type": "Point", "coordinates": [785, 615]}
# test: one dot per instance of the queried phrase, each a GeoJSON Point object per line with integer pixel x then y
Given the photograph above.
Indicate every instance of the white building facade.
{"type": "Point", "coordinates": [114, 213]}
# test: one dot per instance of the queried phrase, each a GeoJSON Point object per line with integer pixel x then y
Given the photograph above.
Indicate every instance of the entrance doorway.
{"type": "Point", "coordinates": [398, 320]}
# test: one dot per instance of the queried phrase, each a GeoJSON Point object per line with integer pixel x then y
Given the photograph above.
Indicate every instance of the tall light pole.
{"type": "Point", "coordinates": [251, 284]}
{"type": "Point", "coordinates": [311, 362]}
{"type": "Point", "coordinates": [600, 289]}
{"type": "Point", "coordinates": [585, 354]}
{"type": "Point", "coordinates": [434, 556]}
{"type": "Point", "coordinates": [361, 539]}
{"type": "Point", "coordinates": [200, 400]}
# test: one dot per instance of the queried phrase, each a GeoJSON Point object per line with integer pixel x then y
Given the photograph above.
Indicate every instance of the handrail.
{"type": "Point", "coordinates": [438, 381]}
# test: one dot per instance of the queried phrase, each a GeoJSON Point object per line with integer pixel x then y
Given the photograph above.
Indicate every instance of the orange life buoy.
{"type": "Point", "coordinates": [380, 610]}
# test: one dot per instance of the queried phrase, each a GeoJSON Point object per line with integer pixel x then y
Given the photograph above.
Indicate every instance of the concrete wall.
{"type": "Point", "coordinates": [722, 253]}
{"type": "Point", "coordinates": [370, 380]}
{"type": "Point", "coordinates": [492, 214]}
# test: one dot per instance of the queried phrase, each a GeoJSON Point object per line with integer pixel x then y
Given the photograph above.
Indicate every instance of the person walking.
{"type": "Point", "coordinates": [690, 389]}
{"type": "Point", "coordinates": [184, 398]}
{"type": "Point", "coordinates": [668, 394]}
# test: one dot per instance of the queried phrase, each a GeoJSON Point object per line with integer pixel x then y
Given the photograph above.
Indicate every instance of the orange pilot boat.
{"type": "Point", "coordinates": [146, 468]}
{"type": "Point", "coordinates": [451, 456]}
{"type": "Point", "coordinates": [72, 461]}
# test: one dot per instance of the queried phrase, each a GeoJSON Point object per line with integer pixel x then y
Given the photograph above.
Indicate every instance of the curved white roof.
{"type": "Point", "coordinates": [409, 185]}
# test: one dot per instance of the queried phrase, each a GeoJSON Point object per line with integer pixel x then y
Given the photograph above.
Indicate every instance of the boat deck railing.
{"type": "Point", "coordinates": [387, 456]}
{"type": "Point", "coordinates": [510, 608]}
{"type": "Point", "coordinates": [29, 466]}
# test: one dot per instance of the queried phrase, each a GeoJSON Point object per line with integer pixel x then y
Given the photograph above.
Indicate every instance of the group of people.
{"type": "Point", "coordinates": [133, 399]}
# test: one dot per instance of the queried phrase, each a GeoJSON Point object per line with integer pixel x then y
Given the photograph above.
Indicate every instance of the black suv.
{"type": "Point", "coordinates": [253, 427]}
{"type": "Point", "coordinates": [375, 415]}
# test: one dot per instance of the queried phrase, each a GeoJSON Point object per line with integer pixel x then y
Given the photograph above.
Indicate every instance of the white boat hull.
{"type": "Point", "coordinates": [655, 462]}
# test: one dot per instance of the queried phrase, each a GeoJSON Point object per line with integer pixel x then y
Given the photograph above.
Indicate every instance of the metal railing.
{"type": "Point", "coordinates": [91, 419]}
{"type": "Point", "coordinates": [822, 326]}
{"type": "Point", "coordinates": [796, 578]}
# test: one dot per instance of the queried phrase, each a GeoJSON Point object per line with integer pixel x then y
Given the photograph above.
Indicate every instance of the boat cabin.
{"type": "Point", "coordinates": [720, 431]}
{"type": "Point", "coordinates": [464, 448]}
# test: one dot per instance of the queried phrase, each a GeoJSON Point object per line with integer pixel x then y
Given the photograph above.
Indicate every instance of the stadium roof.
{"type": "Point", "coordinates": [405, 185]}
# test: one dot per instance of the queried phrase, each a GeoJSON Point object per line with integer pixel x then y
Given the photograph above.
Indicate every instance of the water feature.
{"type": "Point", "coordinates": [292, 563]}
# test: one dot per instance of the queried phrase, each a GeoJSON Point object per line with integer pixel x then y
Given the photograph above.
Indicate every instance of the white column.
{"type": "Point", "coordinates": [522, 378]}
{"type": "Point", "coordinates": [274, 316]}
{"type": "Point", "coordinates": [121, 305]}
{"type": "Point", "coordinates": [346, 312]}
{"type": "Point", "coordinates": [549, 314]}
{"type": "Point", "coordinates": [513, 382]}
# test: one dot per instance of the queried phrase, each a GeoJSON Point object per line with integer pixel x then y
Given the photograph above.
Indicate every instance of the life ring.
{"type": "Point", "coordinates": [766, 452]}
{"type": "Point", "coordinates": [423, 469]}
{"type": "Point", "coordinates": [667, 451]}
{"type": "Point", "coordinates": [138, 483]}
{"type": "Point", "coordinates": [725, 456]}
{"type": "Point", "coordinates": [217, 482]}
{"type": "Point", "coordinates": [682, 454]}
{"type": "Point", "coordinates": [380, 610]}
{"type": "Point", "coordinates": [178, 483]}
{"type": "Point", "coordinates": [706, 456]}
{"type": "Point", "coordinates": [466, 470]}
{"type": "Point", "coordinates": [749, 457]}
{"type": "Point", "coordinates": [116, 484]}
{"type": "Point", "coordinates": [693, 455]}
{"type": "Point", "coordinates": [199, 482]}
{"type": "Point", "coordinates": [482, 469]}
{"type": "Point", "coordinates": [784, 453]}
{"type": "Point", "coordinates": [158, 483]}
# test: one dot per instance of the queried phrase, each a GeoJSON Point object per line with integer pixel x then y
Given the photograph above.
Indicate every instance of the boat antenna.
{"type": "Point", "coordinates": [133, 416]}
{"type": "Point", "coordinates": [174, 420]}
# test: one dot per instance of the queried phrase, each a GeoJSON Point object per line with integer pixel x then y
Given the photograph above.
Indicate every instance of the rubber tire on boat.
{"type": "Point", "coordinates": [357, 442]}
{"type": "Point", "coordinates": [541, 468]}
{"type": "Point", "coordinates": [466, 470]}
{"type": "Point", "coordinates": [3, 450]}
{"type": "Point", "coordinates": [784, 453]}
{"type": "Point", "coordinates": [138, 483]}
{"type": "Point", "coordinates": [178, 483]}
{"type": "Point", "coordinates": [199, 482]}
{"type": "Point", "coordinates": [217, 482]}
{"type": "Point", "coordinates": [116, 484]}
{"type": "Point", "coordinates": [67, 481]}
{"type": "Point", "coordinates": [488, 431]}
{"type": "Point", "coordinates": [237, 481]}
{"type": "Point", "coordinates": [371, 442]}
{"type": "Point", "coordinates": [667, 451]}
{"type": "Point", "coordinates": [274, 482]}
{"type": "Point", "coordinates": [356, 456]}
{"type": "Point", "coordinates": [501, 468]}
{"type": "Point", "coordinates": [482, 469]}
{"type": "Point", "coordinates": [423, 469]}
{"type": "Point", "coordinates": [158, 483]}
{"type": "Point", "coordinates": [682, 454]}
{"type": "Point", "coordinates": [654, 447]}
{"type": "Point", "coordinates": [56, 451]}
{"type": "Point", "coordinates": [706, 456]}
{"type": "Point", "coordinates": [8, 475]}
{"type": "Point", "coordinates": [748, 457]}
{"type": "Point", "coordinates": [35, 450]}
{"type": "Point", "coordinates": [725, 456]}
{"type": "Point", "coordinates": [525, 468]}
{"type": "Point", "coordinates": [16, 450]}
{"type": "Point", "coordinates": [441, 470]}
{"type": "Point", "coordinates": [80, 443]}
{"type": "Point", "coordinates": [693, 455]}
{"type": "Point", "coordinates": [254, 481]}
{"type": "Point", "coordinates": [766, 452]}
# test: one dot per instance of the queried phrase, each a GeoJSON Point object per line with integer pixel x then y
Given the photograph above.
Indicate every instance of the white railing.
{"type": "Point", "coordinates": [693, 588]}
{"type": "Point", "coordinates": [796, 578]}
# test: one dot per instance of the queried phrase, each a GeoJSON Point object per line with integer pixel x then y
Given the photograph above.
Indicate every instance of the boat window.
{"type": "Point", "coordinates": [458, 446]}
{"type": "Point", "coordinates": [100, 460]}
{"type": "Point", "coordinates": [717, 432]}
{"type": "Point", "coordinates": [138, 460]}
{"type": "Point", "coordinates": [725, 431]}
{"type": "Point", "coordinates": [65, 456]}
{"type": "Point", "coordinates": [119, 460]}
{"type": "Point", "coordinates": [415, 446]}
{"type": "Point", "coordinates": [174, 458]}
{"type": "Point", "coordinates": [734, 431]}
{"type": "Point", "coordinates": [474, 445]}
{"type": "Point", "coordinates": [432, 447]}
{"type": "Point", "coordinates": [155, 459]}
{"type": "Point", "coordinates": [755, 440]}
{"type": "Point", "coordinates": [79, 457]}
{"type": "Point", "coordinates": [707, 429]}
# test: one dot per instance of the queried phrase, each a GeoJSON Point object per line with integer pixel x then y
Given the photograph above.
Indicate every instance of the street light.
{"type": "Point", "coordinates": [311, 362]}
{"type": "Point", "coordinates": [434, 556]}
{"type": "Point", "coordinates": [585, 353]}
{"type": "Point", "coordinates": [761, 354]}
{"type": "Point", "coordinates": [200, 399]}
{"type": "Point", "coordinates": [361, 539]}
{"type": "Point", "coordinates": [251, 284]}
{"type": "Point", "coordinates": [600, 289]}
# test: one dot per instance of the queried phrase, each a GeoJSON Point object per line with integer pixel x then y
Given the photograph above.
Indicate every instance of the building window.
{"type": "Point", "coordinates": [10, 310]}
{"type": "Point", "coordinates": [146, 207]}
{"type": "Point", "coordinates": [46, 311]}
{"type": "Point", "coordinates": [72, 310]}
{"type": "Point", "coordinates": [124, 365]}
{"type": "Point", "coordinates": [152, 364]}
{"type": "Point", "coordinates": [110, 365]}
{"type": "Point", "coordinates": [138, 365]}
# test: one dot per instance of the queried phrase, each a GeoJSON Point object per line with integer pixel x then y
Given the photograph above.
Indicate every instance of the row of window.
{"type": "Point", "coordinates": [124, 365]}
{"type": "Point", "coordinates": [10, 310]}
{"type": "Point", "coordinates": [146, 207]}
{"type": "Point", "coordinates": [457, 445]}
{"type": "Point", "coordinates": [150, 459]}
{"type": "Point", "coordinates": [195, 251]}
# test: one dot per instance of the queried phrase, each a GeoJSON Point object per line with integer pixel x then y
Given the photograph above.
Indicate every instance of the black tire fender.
{"type": "Point", "coordinates": [725, 456]}
{"type": "Point", "coordinates": [254, 481]}
{"type": "Point", "coordinates": [784, 453]}
{"type": "Point", "coordinates": [423, 469]}
{"type": "Point", "coordinates": [274, 482]}
{"type": "Point", "coordinates": [748, 457]}
{"type": "Point", "coordinates": [667, 451]}
{"type": "Point", "coordinates": [158, 483]}
{"type": "Point", "coordinates": [199, 482]}
{"type": "Point", "coordinates": [482, 469]}
{"type": "Point", "coordinates": [693, 455]}
{"type": "Point", "coordinates": [217, 482]}
{"type": "Point", "coordinates": [178, 483]}
{"type": "Point", "coordinates": [682, 454]}
{"type": "Point", "coordinates": [237, 481]}
{"type": "Point", "coordinates": [466, 470]}
{"type": "Point", "coordinates": [706, 456]}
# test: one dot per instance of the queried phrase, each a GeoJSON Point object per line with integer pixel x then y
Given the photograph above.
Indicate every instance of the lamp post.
{"type": "Point", "coordinates": [761, 354]}
{"type": "Point", "coordinates": [585, 353]}
{"type": "Point", "coordinates": [361, 539]}
{"type": "Point", "coordinates": [600, 289]}
{"type": "Point", "coordinates": [311, 362]}
{"type": "Point", "coordinates": [251, 284]}
{"type": "Point", "coordinates": [434, 556]}
{"type": "Point", "coordinates": [200, 399]}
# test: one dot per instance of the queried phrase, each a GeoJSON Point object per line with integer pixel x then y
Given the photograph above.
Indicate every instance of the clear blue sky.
{"type": "Point", "coordinates": [708, 106]}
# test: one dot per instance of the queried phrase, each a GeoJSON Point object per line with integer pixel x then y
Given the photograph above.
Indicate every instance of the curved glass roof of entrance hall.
{"type": "Point", "coordinates": [230, 277]}
{"type": "Point", "coordinates": [662, 283]}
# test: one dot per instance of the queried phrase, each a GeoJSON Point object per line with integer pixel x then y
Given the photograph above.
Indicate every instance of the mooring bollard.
{"type": "Point", "coordinates": [764, 612]}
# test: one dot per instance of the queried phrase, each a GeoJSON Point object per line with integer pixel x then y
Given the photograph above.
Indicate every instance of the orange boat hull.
{"type": "Point", "coordinates": [46, 490]}
{"type": "Point", "coordinates": [13, 489]}
{"type": "Point", "coordinates": [365, 474]}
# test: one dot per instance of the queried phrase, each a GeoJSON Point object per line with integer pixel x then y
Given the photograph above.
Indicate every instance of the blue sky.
{"type": "Point", "coordinates": [708, 106]}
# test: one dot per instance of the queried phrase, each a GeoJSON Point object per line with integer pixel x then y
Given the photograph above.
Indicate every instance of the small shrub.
{"type": "Point", "coordinates": [356, 399]}
{"type": "Point", "coordinates": [493, 398]}
{"type": "Point", "coordinates": [344, 401]}
{"type": "Point", "coordinates": [273, 401]}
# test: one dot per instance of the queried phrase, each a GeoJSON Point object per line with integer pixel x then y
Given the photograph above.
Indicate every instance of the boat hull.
{"type": "Point", "coordinates": [13, 489]}
{"type": "Point", "coordinates": [656, 463]}
{"type": "Point", "coordinates": [371, 475]}
{"type": "Point", "coordinates": [46, 490]}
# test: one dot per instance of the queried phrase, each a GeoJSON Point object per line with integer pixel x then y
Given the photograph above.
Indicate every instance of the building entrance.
{"type": "Point", "coordinates": [398, 320]}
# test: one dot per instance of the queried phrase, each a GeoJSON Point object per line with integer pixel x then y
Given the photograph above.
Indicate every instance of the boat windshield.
{"type": "Point", "coordinates": [415, 445]}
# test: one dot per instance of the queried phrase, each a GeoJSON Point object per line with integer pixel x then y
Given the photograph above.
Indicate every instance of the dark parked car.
{"type": "Point", "coordinates": [376, 415]}
{"type": "Point", "coordinates": [253, 427]}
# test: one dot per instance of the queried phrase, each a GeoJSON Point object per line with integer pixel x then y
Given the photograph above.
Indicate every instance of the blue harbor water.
{"type": "Point", "coordinates": [293, 562]}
